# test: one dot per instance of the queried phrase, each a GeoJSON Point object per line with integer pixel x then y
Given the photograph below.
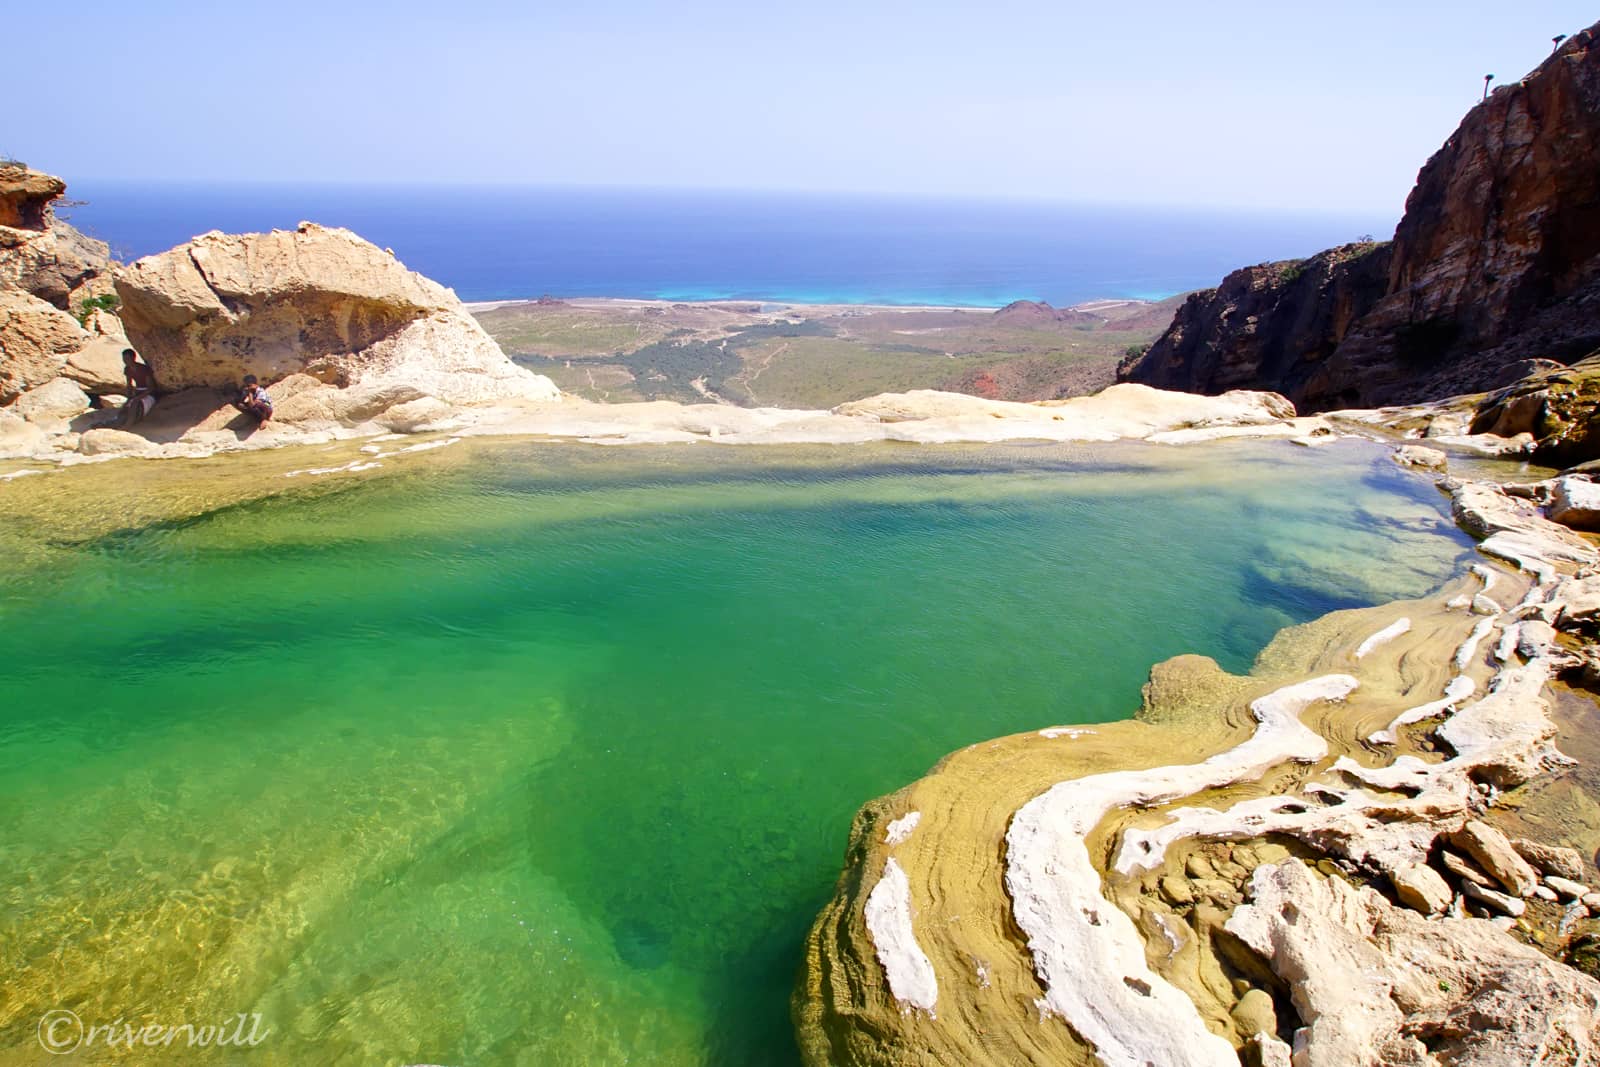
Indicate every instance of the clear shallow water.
{"type": "Point", "coordinates": [498, 243]}
{"type": "Point", "coordinates": [548, 754]}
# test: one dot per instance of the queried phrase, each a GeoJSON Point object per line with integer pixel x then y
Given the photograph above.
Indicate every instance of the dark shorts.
{"type": "Point", "coordinates": [262, 412]}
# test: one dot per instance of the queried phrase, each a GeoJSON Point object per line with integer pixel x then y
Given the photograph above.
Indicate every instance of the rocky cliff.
{"type": "Point", "coordinates": [313, 300]}
{"type": "Point", "coordinates": [1496, 261]}
{"type": "Point", "coordinates": [39, 253]}
{"type": "Point", "coordinates": [47, 272]}
{"type": "Point", "coordinates": [1276, 321]}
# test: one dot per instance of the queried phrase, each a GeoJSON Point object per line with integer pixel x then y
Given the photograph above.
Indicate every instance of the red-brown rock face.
{"type": "Point", "coordinates": [1275, 322]}
{"type": "Point", "coordinates": [26, 195]}
{"type": "Point", "coordinates": [1497, 260]}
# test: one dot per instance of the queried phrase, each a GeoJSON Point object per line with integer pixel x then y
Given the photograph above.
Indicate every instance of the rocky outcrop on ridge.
{"type": "Point", "coordinates": [1275, 322]}
{"type": "Point", "coordinates": [1496, 261]}
{"type": "Point", "coordinates": [47, 271]}
{"type": "Point", "coordinates": [26, 196]}
{"type": "Point", "coordinates": [39, 253]}
{"type": "Point", "coordinates": [1323, 884]}
{"type": "Point", "coordinates": [311, 301]}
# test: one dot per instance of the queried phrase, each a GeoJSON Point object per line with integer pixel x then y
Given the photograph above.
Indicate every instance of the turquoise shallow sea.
{"type": "Point", "coordinates": [540, 754]}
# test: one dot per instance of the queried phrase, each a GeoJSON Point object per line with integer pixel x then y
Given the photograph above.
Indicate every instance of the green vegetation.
{"type": "Point", "coordinates": [668, 370]}
{"type": "Point", "coordinates": [103, 302]}
{"type": "Point", "coordinates": [608, 383]}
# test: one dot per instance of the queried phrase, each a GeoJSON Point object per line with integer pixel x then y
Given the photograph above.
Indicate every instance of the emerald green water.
{"type": "Point", "coordinates": [544, 754]}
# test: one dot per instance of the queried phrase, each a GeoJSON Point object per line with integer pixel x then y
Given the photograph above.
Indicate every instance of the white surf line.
{"type": "Point", "coordinates": [1383, 637]}
{"type": "Point", "coordinates": [1087, 953]}
{"type": "Point", "coordinates": [907, 967]}
{"type": "Point", "coordinates": [1071, 733]}
{"type": "Point", "coordinates": [1459, 689]}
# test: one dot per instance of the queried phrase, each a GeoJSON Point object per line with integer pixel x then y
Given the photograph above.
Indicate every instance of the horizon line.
{"type": "Point", "coordinates": [615, 188]}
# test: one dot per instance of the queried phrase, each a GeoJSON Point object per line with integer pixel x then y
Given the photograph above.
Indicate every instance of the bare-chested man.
{"type": "Point", "coordinates": [141, 388]}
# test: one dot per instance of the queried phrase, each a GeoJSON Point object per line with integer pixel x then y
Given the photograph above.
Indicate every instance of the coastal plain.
{"type": "Point", "coordinates": [819, 355]}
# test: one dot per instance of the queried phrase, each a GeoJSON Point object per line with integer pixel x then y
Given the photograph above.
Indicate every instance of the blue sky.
{"type": "Point", "coordinates": [1263, 105]}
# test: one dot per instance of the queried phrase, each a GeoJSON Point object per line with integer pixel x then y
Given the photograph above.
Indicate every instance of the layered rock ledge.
{"type": "Point", "coordinates": [1320, 882]}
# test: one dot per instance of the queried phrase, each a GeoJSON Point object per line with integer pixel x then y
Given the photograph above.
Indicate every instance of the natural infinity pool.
{"type": "Point", "coordinates": [547, 754]}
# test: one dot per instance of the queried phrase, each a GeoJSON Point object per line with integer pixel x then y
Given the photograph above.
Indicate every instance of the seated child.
{"type": "Point", "coordinates": [253, 400]}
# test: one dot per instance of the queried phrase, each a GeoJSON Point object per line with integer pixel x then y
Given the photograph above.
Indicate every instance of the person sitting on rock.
{"type": "Point", "coordinates": [254, 401]}
{"type": "Point", "coordinates": [141, 389]}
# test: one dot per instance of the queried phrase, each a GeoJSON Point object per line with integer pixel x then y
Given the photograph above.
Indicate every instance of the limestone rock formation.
{"type": "Point", "coordinates": [39, 253]}
{"type": "Point", "coordinates": [316, 301]}
{"type": "Point", "coordinates": [1493, 851]}
{"type": "Point", "coordinates": [1144, 891]}
{"type": "Point", "coordinates": [1559, 407]}
{"type": "Point", "coordinates": [1466, 995]}
{"type": "Point", "coordinates": [59, 398]}
{"type": "Point", "coordinates": [47, 270]}
{"type": "Point", "coordinates": [1551, 859]}
{"type": "Point", "coordinates": [1495, 263]}
{"type": "Point", "coordinates": [18, 436]}
{"type": "Point", "coordinates": [104, 441]}
{"type": "Point", "coordinates": [26, 196]}
{"type": "Point", "coordinates": [97, 366]}
{"type": "Point", "coordinates": [36, 340]}
{"type": "Point", "coordinates": [1575, 502]}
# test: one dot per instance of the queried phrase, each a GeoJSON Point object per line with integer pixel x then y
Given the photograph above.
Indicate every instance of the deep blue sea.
{"type": "Point", "coordinates": [498, 242]}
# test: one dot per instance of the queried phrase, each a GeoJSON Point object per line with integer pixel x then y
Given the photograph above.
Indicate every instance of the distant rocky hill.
{"type": "Point", "coordinates": [1039, 313]}
{"type": "Point", "coordinates": [1496, 262]}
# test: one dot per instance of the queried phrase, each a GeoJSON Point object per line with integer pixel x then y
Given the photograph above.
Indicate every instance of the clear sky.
{"type": "Point", "coordinates": [1264, 105]}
